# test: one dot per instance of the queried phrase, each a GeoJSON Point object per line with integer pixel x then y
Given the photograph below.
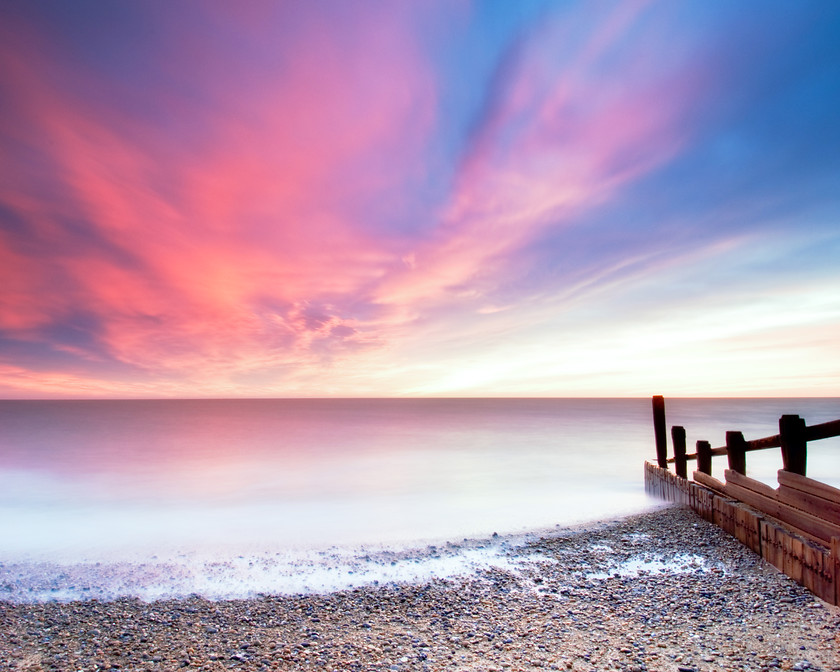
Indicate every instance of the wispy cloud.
{"type": "Point", "coordinates": [287, 200]}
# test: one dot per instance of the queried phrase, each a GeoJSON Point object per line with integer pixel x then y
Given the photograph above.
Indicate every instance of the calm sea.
{"type": "Point", "coordinates": [89, 482]}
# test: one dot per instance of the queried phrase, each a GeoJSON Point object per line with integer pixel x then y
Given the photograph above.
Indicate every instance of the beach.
{"type": "Point", "coordinates": [663, 590]}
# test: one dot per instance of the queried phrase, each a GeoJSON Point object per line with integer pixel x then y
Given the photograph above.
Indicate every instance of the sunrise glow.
{"type": "Point", "coordinates": [218, 199]}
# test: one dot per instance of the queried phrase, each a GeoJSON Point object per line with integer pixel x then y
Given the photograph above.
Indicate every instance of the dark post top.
{"type": "Point", "coordinates": [704, 457]}
{"type": "Point", "coordinates": [794, 444]}
{"type": "Point", "coordinates": [678, 438]}
{"type": "Point", "coordinates": [659, 431]}
{"type": "Point", "coordinates": [736, 451]}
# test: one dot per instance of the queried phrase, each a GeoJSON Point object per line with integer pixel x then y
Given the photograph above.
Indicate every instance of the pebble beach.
{"type": "Point", "coordinates": [663, 590]}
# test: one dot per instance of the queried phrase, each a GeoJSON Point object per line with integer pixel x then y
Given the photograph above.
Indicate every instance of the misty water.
{"type": "Point", "coordinates": [230, 498]}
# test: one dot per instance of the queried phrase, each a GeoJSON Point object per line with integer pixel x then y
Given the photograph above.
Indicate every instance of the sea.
{"type": "Point", "coordinates": [240, 497]}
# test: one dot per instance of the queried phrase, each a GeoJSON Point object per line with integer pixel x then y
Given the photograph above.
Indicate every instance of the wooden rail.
{"type": "Point", "coordinates": [795, 527]}
{"type": "Point", "coordinates": [826, 430]}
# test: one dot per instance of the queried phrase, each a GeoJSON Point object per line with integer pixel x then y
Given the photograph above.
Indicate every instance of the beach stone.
{"type": "Point", "coordinates": [563, 602]}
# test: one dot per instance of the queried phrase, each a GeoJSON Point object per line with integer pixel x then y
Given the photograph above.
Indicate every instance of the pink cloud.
{"type": "Point", "coordinates": [220, 252]}
{"type": "Point", "coordinates": [562, 134]}
{"type": "Point", "coordinates": [248, 244]}
{"type": "Point", "coordinates": [247, 205]}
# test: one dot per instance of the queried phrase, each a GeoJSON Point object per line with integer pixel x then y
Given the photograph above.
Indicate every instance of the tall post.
{"type": "Point", "coordinates": [794, 444]}
{"type": "Point", "coordinates": [659, 431]}
{"type": "Point", "coordinates": [704, 457]}
{"type": "Point", "coordinates": [736, 451]}
{"type": "Point", "coordinates": [678, 438]}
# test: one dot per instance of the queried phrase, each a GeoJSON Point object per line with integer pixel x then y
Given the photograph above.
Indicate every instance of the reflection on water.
{"type": "Point", "coordinates": [90, 479]}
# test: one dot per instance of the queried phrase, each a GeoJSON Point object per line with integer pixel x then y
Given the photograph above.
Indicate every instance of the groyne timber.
{"type": "Point", "coordinates": [795, 527]}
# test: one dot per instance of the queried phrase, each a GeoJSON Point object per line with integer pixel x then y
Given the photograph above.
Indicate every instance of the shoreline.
{"type": "Point", "coordinates": [219, 574]}
{"type": "Point", "coordinates": [662, 590]}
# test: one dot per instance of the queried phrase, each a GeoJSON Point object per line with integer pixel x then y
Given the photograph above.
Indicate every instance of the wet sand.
{"type": "Point", "coordinates": [658, 591]}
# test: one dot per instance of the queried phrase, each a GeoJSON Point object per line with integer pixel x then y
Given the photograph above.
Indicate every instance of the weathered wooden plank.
{"type": "Point", "coordinates": [825, 430]}
{"type": "Point", "coordinates": [809, 574]}
{"type": "Point", "coordinates": [835, 560]}
{"type": "Point", "coordinates": [717, 505]}
{"type": "Point", "coordinates": [808, 569]}
{"type": "Point", "coordinates": [809, 485]}
{"type": "Point", "coordinates": [804, 562]}
{"type": "Point", "coordinates": [771, 547]}
{"type": "Point", "coordinates": [817, 575]}
{"type": "Point", "coordinates": [709, 504]}
{"type": "Point", "coordinates": [827, 590]}
{"type": "Point", "coordinates": [747, 527]}
{"type": "Point", "coordinates": [749, 483]}
{"type": "Point", "coordinates": [738, 523]}
{"type": "Point", "coordinates": [816, 506]}
{"type": "Point", "coordinates": [658, 481]}
{"type": "Point", "coordinates": [767, 505]}
{"type": "Point", "coordinates": [794, 555]}
{"type": "Point", "coordinates": [652, 480]}
{"type": "Point", "coordinates": [679, 488]}
{"type": "Point", "coordinates": [807, 525]}
{"type": "Point", "coordinates": [708, 481]}
{"type": "Point", "coordinates": [665, 485]}
{"type": "Point", "coordinates": [725, 514]}
{"type": "Point", "coordinates": [774, 441]}
{"type": "Point", "coordinates": [752, 525]}
{"type": "Point", "coordinates": [701, 501]}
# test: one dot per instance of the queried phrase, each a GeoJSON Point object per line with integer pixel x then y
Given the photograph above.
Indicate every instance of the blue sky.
{"type": "Point", "coordinates": [419, 198]}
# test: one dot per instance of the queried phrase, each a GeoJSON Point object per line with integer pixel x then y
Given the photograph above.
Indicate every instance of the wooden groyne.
{"type": "Point", "coordinates": [795, 527]}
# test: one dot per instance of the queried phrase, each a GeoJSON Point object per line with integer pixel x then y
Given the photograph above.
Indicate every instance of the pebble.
{"type": "Point", "coordinates": [564, 605]}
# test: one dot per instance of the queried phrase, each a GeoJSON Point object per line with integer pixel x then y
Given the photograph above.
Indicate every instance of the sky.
{"type": "Point", "coordinates": [371, 198]}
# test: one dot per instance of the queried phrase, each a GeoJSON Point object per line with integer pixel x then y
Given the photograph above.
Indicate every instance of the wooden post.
{"type": "Point", "coordinates": [659, 431]}
{"type": "Point", "coordinates": [835, 559]}
{"type": "Point", "coordinates": [794, 444]}
{"type": "Point", "coordinates": [704, 457]}
{"type": "Point", "coordinates": [736, 451]}
{"type": "Point", "coordinates": [678, 438]}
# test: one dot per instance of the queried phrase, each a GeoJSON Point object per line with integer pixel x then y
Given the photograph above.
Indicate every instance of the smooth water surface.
{"type": "Point", "coordinates": [124, 481]}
